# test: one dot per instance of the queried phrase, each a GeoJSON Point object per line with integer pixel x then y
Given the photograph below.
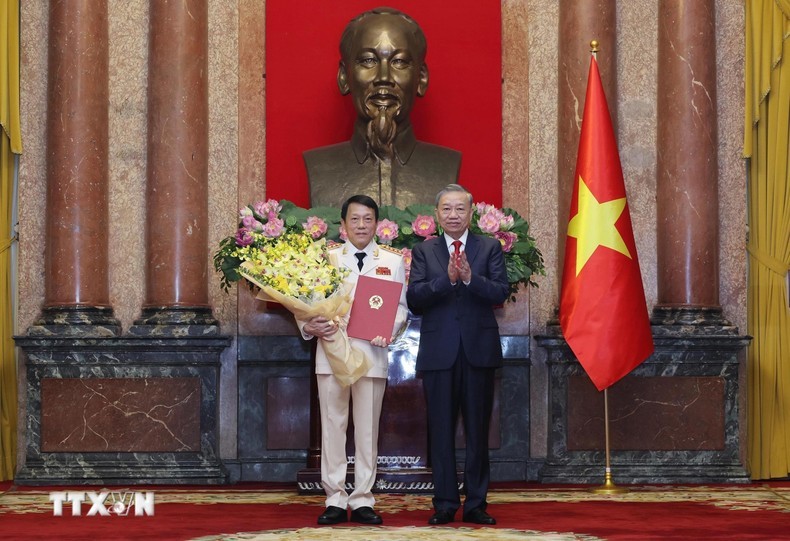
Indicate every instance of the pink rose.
{"type": "Point", "coordinates": [506, 223]}
{"type": "Point", "coordinates": [489, 222]}
{"type": "Point", "coordinates": [244, 237]}
{"type": "Point", "coordinates": [406, 261]}
{"type": "Point", "coordinates": [315, 226]}
{"type": "Point", "coordinates": [260, 207]}
{"type": "Point", "coordinates": [423, 226]}
{"type": "Point", "coordinates": [249, 222]}
{"type": "Point", "coordinates": [507, 239]}
{"type": "Point", "coordinates": [386, 231]}
{"type": "Point", "coordinates": [273, 228]}
{"type": "Point", "coordinates": [497, 213]}
{"type": "Point", "coordinates": [268, 209]}
{"type": "Point", "coordinates": [485, 208]}
{"type": "Point", "coordinates": [406, 252]}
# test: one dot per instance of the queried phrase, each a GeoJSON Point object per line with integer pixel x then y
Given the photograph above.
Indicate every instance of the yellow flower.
{"type": "Point", "coordinates": [292, 264]}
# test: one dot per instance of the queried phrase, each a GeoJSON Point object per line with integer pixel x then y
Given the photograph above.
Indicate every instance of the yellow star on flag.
{"type": "Point", "coordinates": [594, 226]}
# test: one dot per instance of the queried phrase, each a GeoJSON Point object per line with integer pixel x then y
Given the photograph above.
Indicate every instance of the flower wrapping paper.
{"type": "Point", "coordinates": [348, 363]}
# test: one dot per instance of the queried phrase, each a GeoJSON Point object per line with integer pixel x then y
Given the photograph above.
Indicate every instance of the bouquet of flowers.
{"type": "Point", "coordinates": [287, 260]}
{"type": "Point", "coordinates": [400, 228]}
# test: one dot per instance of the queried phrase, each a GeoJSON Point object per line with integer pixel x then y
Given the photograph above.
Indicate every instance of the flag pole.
{"type": "Point", "coordinates": [608, 486]}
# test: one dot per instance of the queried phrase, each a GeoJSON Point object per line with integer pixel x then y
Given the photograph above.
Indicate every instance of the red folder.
{"type": "Point", "coordinates": [374, 308]}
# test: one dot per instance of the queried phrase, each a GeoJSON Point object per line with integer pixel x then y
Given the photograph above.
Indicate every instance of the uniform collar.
{"type": "Point", "coordinates": [371, 249]}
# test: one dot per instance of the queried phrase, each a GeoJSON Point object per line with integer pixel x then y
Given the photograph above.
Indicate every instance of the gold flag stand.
{"type": "Point", "coordinates": [608, 486]}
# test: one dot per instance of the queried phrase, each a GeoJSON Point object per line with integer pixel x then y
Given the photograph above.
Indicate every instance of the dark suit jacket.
{"type": "Point", "coordinates": [458, 315]}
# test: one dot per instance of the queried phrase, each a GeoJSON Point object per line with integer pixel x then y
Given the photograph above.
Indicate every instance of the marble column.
{"type": "Point", "coordinates": [687, 165]}
{"type": "Point", "coordinates": [76, 301]}
{"type": "Point", "coordinates": [581, 21]}
{"type": "Point", "coordinates": [177, 189]}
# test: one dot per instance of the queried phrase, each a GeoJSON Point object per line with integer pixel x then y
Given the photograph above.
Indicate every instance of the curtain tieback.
{"type": "Point", "coordinates": [776, 265]}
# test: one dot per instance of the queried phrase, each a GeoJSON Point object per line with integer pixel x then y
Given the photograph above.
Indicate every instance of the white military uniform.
{"type": "Point", "coordinates": [367, 392]}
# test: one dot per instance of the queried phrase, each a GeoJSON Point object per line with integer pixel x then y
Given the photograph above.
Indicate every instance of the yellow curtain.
{"type": "Point", "coordinates": [10, 144]}
{"type": "Point", "coordinates": [767, 106]}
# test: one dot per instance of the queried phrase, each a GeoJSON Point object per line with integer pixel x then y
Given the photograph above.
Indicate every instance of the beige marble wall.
{"type": "Point", "coordinates": [730, 42]}
{"type": "Point", "coordinates": [636, 88]}
{"type": "Point", "coordinates": [32, 163]}
{"type": "Point", "coordinates": [543, 36]}
{"type": "Point", "coordinates": [223, 174]}
{"type": "Point", "coordinates": [128, 110]}
{"type": "Point", "coordinates": [237, 155]}
{"type": "Point", "coordinates": [223, 180]}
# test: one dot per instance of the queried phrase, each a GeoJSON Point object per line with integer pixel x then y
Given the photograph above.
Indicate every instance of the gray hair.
{"type": "Point", "coordinates": [453, 188]}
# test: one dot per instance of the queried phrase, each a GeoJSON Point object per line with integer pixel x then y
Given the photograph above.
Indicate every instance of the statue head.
{"type": "Point", "coordinates": [382, 66]}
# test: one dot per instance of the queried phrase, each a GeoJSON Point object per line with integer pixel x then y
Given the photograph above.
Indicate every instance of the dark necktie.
{"type": "Point", "coordinates": [457, 246]}
{"type": "Point", "coordinates": [360, 257]}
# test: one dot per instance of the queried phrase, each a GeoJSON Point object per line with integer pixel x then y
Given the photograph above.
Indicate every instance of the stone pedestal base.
{"type": "Point", "coordinates": [131, 410]}
{"type": "Point", "coordinates": [674, 419]}
{"type": "Point", "coordinates": [388, 480]}
{"type": "Point", "coordinates": [175, 321]}
{"type": "Point", "coordinates": [279, 437]}
{"type": "Point", "coordinates": [76, 321]}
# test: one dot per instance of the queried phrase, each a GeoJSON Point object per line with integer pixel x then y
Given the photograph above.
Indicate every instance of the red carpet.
{"type": "Point", "coordinates": [247, 512]}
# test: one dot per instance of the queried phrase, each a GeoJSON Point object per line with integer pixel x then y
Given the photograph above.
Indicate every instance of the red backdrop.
{"type": "Point", "coordinates": [462, 108]}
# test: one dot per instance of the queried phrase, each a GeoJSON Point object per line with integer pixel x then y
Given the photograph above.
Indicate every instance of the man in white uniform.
{"type": "Point", "coordinates": [362, 256]}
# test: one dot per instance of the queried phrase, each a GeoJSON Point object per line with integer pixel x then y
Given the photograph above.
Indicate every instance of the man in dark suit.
{"type": "Point", "coordinates": [456, 280]}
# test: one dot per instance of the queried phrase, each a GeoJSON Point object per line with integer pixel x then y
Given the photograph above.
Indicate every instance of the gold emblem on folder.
{"type": "Point", "coordinates": [376, 302]}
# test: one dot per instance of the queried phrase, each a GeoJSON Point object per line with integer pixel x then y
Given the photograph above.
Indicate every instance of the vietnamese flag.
{"type": "Point", "coordinates": [603, 313]}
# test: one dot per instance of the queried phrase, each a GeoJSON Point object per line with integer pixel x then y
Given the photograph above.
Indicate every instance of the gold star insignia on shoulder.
{"type": "Point", "coordinates": [390, 249]}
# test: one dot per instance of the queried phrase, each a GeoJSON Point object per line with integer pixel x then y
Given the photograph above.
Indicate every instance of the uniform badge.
{"type": "Point", "coordinates": [383, 271]}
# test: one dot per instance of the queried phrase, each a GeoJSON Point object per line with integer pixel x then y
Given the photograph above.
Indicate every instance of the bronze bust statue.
{"type": "Point", "coordinates": [382, 66]}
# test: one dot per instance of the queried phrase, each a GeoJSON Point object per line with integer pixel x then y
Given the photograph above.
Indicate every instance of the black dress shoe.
{"type": "Point", "coordinates": [365, 515]}
{"type": "Point", "coordinates": [441, 517]}
{"type": "Point", "coordinates": [478, 516]}
{"type": "Point", "coordinates": [333, 515]}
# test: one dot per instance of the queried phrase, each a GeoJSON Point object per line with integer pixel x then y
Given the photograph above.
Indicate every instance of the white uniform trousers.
{"type": "Point", "coordinates": [367, 394]}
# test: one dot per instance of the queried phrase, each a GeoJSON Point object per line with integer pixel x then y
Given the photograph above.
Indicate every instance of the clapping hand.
{"type": "Point", "coordinates": [458, 268]}
{"type": "Point", "coordinates": [452, 268]}
{"type": "Point", "coordinates": [464, 270]}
